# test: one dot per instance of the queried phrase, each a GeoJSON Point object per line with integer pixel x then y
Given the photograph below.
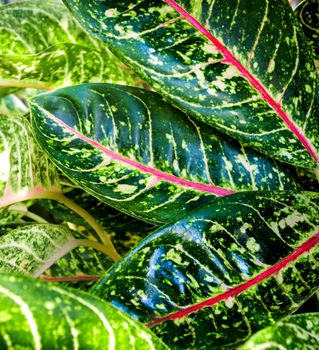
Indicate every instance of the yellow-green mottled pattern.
{"type": "Point", "coordinates": [42, 45]}
{"type": "Point", "coordinates": [24, 167]}
{"type": "Point", "coordinates": [48, 248]}
{"type": "Point", "coordinates": [35, 315]}
{"type": "Point", "coordinates": [186, 68]}
{"type": "Point", "coordinates": [141, 127]}
{"type": "Point", "coordinates": [308, 14]}
{"type": "Point", "coordinates": [298, 332]}
{"type": "Point", "coordinates": [214, 249]}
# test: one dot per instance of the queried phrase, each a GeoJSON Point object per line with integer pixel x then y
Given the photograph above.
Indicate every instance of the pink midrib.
{"type": "Point", "coordinates": [303, 248]}
{"type": "Point", "coordinates": [229, 58]}
{"type": "Point", "coordinates": [197, 186]}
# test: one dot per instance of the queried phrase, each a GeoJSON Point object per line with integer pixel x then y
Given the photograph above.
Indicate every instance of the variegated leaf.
{"type": "Point", "coordinates": [308, 15]}
{"type": "Point", "coordinates": [25, 170]}
{"type": "Point", "coordinates": [294, 332]}
{"type": "Point", "coordinates": [132, 150]}
{"type": "Point", "coordinates": [43, 47]}
{"type": "Point", "coordinates": [34, 249]}
{"type": "Point", "coordinates": [212, 279]}
{"type": "Point", "coordinates": [35, 315]}
{"type": "Point", "coordinates": [243, 67]}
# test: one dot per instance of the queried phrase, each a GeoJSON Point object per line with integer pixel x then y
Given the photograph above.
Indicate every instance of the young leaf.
{"type": "Point", "coordinates": [132, 150]}
{"type": "Point", "coordinates": [43, 47]}
{"type": "Point", "coordinates": [308, 15]}
{"type": "Point", "coordinates": [35, 315]}
{"type": "Point", "coordinates": [25, 170]}
{"type": "Point", "coordinates": [244, 67]}
{"type": "Point", "coordinates": [297, 332]}
{"type": "Point", "coordinates": [218, 275]}
{"type": "Point", "coordinates": [33, 249]}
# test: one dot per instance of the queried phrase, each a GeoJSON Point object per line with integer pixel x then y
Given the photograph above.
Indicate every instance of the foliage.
{"type": "Point", "coordinates": [183, 134]}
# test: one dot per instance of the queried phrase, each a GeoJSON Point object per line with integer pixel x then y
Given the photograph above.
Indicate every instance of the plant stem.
{"type": "Point", "coordinates": [316, 171]}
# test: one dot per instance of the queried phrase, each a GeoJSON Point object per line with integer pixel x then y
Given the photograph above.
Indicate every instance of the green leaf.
{"type": "Point", "coordinates": [230, 268]}
{"type": "Point", "coordinates": [294, 332]}
{"type": "Point", "coordinates": [308, 15]}
{"type": "Point", "coordinates": [43, 47]}
{"type": "Point", "coordinates": [244, 67]}
{"type": "Point", "coordinates": [132, 150]}
{"type": "Point", "coordinates": [35, 315]}
{"type": "Point", "coordinates": [25, 170]}
{"type": "Point", "coordinates": [33, 249]}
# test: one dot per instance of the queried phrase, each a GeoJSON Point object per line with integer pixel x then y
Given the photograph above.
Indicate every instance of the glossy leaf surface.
{"type": "Point", "coordinates": [308, 15]}
{"type": "Point", "coordinates": [25, 170]}
{"type": "Point", "coordinates": [131, 149]}
{"type": "Point", "coordinates": [35, 315]}
{"type": "Point", "coordinates": [42, 46]}
{"type": "Point", "coordinates": [298, 332]}
{"type": "Point", "coordinates": [33, 249]}
{"type": "Point", "coordinates": [244, 68]}
{"type": "Point", "coordinates": [212, 279]}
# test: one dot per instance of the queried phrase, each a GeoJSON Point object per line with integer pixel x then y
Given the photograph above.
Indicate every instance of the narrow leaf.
{"type": "Point", "coordinates": [244, 67]}
{"type": "Point", "coordinates": [35, 315]}
{"type": "Point", "coordinates": [308, 15]}
{"type": "Point", "coordinates": [212, 279]}
{"type": "Point", "coordinates": [43, 47]}
{"type": "Point", "coordinates": [132, 150]}
{"type": "Point", "coordinates": [297, 332]}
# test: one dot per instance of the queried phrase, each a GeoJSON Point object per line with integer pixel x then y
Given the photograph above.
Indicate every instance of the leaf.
{"type": "Point", "coordinates": [43, 47]}
{"type": "Point", "coordinates": [226, 270]}
{"type": "Point", "coordinates": [244, 68]}
{"type": "Point", "coordinates": [12, 105]}
{"type": "Point", "coordinates": [299, 331]}
{"type": "Point", "coordinates": [135, 152]}
{"type": "Point", "coordinates": [25, 170]}
{"type": "Point", "coordinates": [35, 315]}
{"type": "Point", "coordinates": [33, 249]}
{"type": "Point", "coordinates": [308, 15]}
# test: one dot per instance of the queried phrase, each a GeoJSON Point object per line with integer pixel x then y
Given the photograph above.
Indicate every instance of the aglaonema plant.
{"type": "Point", "coordinates": [192, 125]}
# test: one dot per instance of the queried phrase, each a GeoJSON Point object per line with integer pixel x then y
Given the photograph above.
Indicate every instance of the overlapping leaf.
{"type": "Point", "coordinates": [308, 15]}
{"type": "Point", "coordinates": [36, 248]}
{"type": "Point", "coordinates": [41, 45]}
{"type": "Point", "coordinates": [25, 170]}
{"type": "Point", "coordinates": [295, 332]}
{"type": "Point", "coordinates": [212, 279]}
{"type": "Point", "coordinates": [244, 68]}
{"type": "Point", "coordinates": [134, 151]}
{"type": "Point", "coordinates": [39, 316]}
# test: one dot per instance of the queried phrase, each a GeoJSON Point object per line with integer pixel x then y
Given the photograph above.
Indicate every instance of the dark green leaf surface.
{"type": "Point", "coordinates": [25, 170]}
{"type": "Point", "coordinates": [212, 279]}
{"type": "Point", "coordinates": [298, 332]}
{"type": "Point", "coordinates": [132, 150]}
{"type": "Point", "coordinates": [35, 315]}
{"type": "Point", "coordinates": [308, 15]}
{"type": "Point", "coordinates": [33, 249]}
{"type": "Point", "coordinates": [244, 67]}
{"type": "Point", "coordinates": [42, 46]}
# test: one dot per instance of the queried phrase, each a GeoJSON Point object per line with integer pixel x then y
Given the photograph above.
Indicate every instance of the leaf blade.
{"type": "Point", "coordinates": [52, 317]}
{"type": "Point", "coordinates": [227, 270]}
{"type": "Point", "coordinates": [160, 166]}
{"type": "Point", "coordinates": [205, 71]}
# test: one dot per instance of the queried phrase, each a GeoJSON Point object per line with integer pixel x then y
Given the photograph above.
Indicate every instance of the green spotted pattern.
{"type": "Point", "coordinates": [35, 315]}
{"type": "Point", "coordinates": [298, 332]}
{"type": "Point", "coordinates": [308, 15]}
{"type": "Point", "coordinates": [33, 249]}
{"type": "Point", "coordinates": [25, 170]}
{"type": "Point", "coordinates": [41, 45]}
{"type": "Point", "coordinates": [132, 150]}
{"type": "Point", "coordinates": [213, 250]}
{"type": "Point", "coordinates": [188, 69]}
